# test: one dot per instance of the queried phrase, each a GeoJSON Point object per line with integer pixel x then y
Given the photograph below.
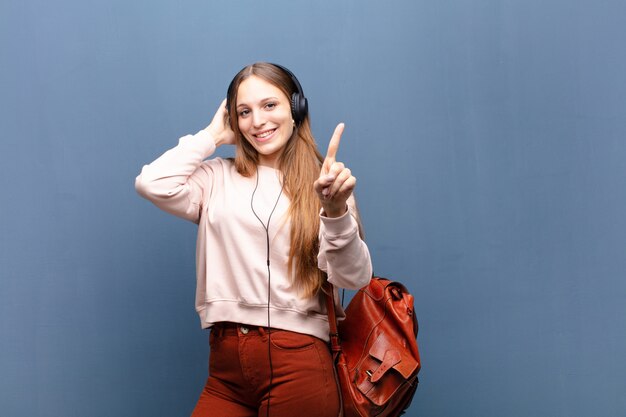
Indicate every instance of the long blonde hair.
{"type": "Point", "coordinates": [300, 165]}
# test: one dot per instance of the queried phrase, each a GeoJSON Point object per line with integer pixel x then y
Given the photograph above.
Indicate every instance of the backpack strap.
{"type": "Point", "coordinates": [335, 345]}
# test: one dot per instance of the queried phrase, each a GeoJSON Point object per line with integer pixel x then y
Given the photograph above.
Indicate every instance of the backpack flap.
{"type": "Point", "coordinates": [389, 367]}
{"type": "Point", "coordinates": [392, 356]}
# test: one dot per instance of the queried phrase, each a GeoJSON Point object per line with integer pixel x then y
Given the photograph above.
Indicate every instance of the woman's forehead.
{"type": "Point", "coordinates": [254, 89]}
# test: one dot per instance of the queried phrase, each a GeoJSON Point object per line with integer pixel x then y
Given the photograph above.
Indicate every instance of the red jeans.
{"type": "Point", "coordinates": [303, 382]}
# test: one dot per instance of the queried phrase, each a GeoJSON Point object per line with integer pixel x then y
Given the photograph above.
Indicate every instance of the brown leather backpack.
{"type": "Point", "coordinates": [375, 350]}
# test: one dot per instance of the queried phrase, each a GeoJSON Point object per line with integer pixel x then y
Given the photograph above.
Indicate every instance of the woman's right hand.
{"type": "Point", "coordinates": [220, 128]}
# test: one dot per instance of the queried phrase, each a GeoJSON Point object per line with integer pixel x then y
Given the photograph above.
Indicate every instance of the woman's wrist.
{"type": "Point", "coordinates": [334, 211]}
{"type": "Point", "coordinates": [216, 137]}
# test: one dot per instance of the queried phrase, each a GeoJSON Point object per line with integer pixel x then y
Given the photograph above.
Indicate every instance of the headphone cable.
{"type": "Point", "coordinates": [269, 277]}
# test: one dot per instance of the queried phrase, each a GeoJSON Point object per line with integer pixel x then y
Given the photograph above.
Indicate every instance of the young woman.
{"type": "Point", "coordinates": [274, 223]}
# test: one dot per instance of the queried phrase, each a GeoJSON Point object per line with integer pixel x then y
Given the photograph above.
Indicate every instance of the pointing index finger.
{"type": "Point", "coordinates": [333, 146]}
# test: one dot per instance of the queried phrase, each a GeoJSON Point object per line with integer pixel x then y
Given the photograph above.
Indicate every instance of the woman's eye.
{"type": "Point", "coordinates": [270, 105]}
{"type": "Point", "coordinates": [244, 112]}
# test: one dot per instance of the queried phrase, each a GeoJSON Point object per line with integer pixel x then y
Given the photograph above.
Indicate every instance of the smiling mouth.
{"type": "Point", "coordinates": [264, 135]}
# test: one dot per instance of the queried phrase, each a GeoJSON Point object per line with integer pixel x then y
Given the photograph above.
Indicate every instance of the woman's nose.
{"type": "Point", "coordinates": [258, 119]}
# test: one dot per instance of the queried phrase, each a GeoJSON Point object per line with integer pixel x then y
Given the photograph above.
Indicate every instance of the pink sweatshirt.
{"type": "Point", "coordinates": [231, 254]}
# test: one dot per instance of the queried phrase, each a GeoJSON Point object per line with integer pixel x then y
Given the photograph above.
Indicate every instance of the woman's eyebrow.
{"type": "Point", "coordinates": [260, 101]}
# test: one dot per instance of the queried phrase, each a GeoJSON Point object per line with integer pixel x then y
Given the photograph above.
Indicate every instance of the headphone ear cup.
{"type": "Point", "coordinates": [299, 107]}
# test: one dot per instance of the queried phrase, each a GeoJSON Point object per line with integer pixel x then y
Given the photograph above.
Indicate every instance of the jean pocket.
{"type": "Point", "coordinates": [286, 340]}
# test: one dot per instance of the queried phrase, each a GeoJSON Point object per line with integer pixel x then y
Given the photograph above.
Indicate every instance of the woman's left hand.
{"type": "Point", "coordinates": [335, 183]}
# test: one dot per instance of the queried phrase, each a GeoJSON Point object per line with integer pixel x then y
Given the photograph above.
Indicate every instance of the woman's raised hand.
{"type": "Point", "coordinates": [335, 183]}
{"type": "Point", "coordinates": [219, 128]}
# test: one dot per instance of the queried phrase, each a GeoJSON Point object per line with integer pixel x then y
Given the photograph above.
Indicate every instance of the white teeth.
{"type": "Point", "coordinates": [265, 134]}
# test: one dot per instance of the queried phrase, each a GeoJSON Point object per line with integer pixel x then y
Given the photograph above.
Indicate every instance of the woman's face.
{"type": "Point", "coordinates": [264, 118]}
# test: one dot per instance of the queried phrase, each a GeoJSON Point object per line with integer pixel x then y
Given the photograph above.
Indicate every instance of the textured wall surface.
{"type": "Point", "coordinates": [488, 138]}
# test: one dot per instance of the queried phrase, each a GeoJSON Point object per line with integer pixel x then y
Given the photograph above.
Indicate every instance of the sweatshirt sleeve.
{"type": "Point", "coordinates": [178, 181]}
{"type": "Point", "coordinates": [343, 255]}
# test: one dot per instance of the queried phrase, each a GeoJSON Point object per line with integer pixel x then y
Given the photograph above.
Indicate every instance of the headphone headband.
{"type": "Point", "coordinates": [299, 103]}
{"type": "Point", "coordinates": [293, 78]}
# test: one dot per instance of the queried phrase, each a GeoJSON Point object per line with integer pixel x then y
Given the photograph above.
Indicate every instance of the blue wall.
{"type": "Point", "coordinates": [489, 139]}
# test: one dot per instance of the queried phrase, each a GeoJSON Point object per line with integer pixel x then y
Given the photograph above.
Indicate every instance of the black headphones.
{"type": "Point", "coordinates": [299, 103]}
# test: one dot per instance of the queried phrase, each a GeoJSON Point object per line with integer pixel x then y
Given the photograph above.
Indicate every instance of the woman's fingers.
{"type": "Point", "coordinates": [329, 176]}
{"type": "Point", "coordinates": [346, 188]}
{"type": "Point", "coordinates": [220, 127]}
{"type": "Point", "coordinates": [333, 147]}
{"type": "Point", "coordinates": [338, 181]}
{"type": "Point", "coordinates": [322, 185]}
{"type": "Point", "coordinates": [221, 112]}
